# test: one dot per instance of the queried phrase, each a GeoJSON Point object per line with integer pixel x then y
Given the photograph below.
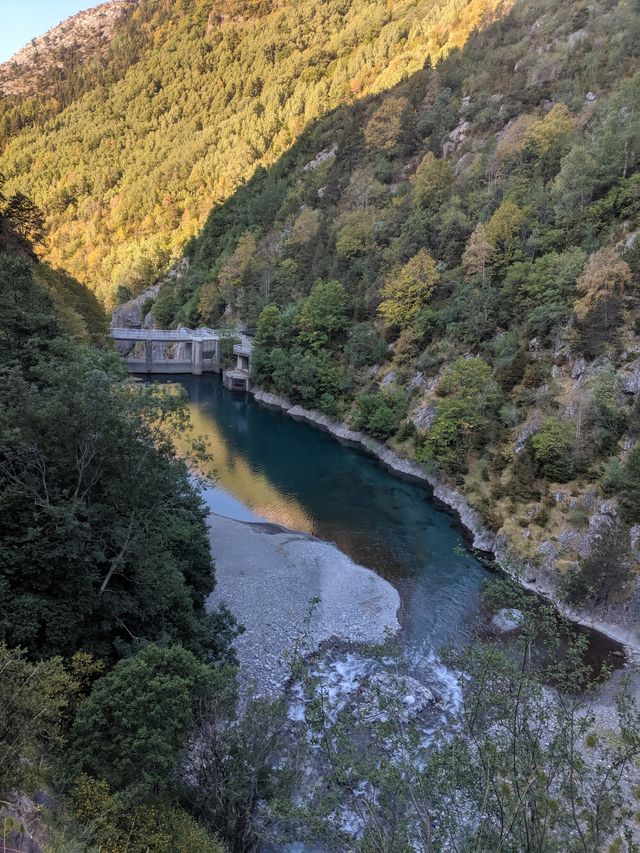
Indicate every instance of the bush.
{"type": "Point", "coordinates": [379, 413]}
{"type": "Point", "coordinates": [553, 448]}
{"type": "Point", "coordinates": [147, 305]}
{"type": "Point", "coordinates": [328, 405]}
{"type": "Point", "coordinates": [114, 824]}
{"type": "Point", "coordinates": [612, 478]}
{"type": "Point", "coordinates": [34, 699]}
{"type": "Point", "coordinates": [132, 730]}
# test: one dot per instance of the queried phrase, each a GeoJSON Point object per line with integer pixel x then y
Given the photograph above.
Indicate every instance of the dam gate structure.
{"type": "Point", "coordinates": [185, 351]}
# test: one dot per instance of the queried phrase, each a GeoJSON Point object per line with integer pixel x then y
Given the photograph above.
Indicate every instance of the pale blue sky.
{"type": "Point", "coordinates": [21, 20]}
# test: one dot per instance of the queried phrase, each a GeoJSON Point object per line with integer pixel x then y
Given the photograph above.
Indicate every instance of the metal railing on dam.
{"type": "Point", "coordinates": [197, 350]}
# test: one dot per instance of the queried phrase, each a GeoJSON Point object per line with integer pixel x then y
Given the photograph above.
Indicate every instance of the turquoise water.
{"type": "Point", "coordinates": [268, 466]}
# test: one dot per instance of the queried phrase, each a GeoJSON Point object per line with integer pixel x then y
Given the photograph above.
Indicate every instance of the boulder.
{"type": "Point", "coordinates": [408, 697]}
{"type": "Point", "coordinates": [576, 38]}
{"type": "Point", "coordinates": [630, 377]}
{"type": "Point", "coordinates": [464, 163]}
{"type": "Point", "coordinates": [423, 417]}
{"type": "Point", "coordinates": [507, 621]}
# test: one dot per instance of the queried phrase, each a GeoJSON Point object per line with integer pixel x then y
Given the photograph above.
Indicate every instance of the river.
{"type": "Point", "coordinates": [268, 466]}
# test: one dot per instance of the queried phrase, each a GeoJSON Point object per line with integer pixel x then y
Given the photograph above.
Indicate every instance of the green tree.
{"type": "Point", "coordinates": [407, 290]}
{"type": "Point", "coordinates": [380, 412]}
{"type": "Point", "coordinates": [554, 449]}
{"type": "Point", "coordinates": [133, 729]}
{"type": "Point", "coordinates": [104, 538]}
{"type": "Point", "coordinates": [433, 182]}
{"type": "Point", "coordinates": [323, 316]}
{"type": "Point", "coordinates": [603, 576]}
{"type": "Point", "coordinates": [365, 346]}
{"type": "Point", "coordinates": [356, 234]}
{"type": "Point", "coordinates": [465, 416]}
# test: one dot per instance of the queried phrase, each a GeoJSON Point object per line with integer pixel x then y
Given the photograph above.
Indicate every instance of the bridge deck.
{"type": "Point", "coordinates": [167, 335]}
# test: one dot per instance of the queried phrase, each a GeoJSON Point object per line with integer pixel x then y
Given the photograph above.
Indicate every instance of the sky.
{"type": "Point", "coordinates": [21, 20]}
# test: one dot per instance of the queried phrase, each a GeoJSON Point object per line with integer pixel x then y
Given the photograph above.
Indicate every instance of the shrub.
{"type": "Point", "coordinates": [612, 478]}
{"type": "Point", "coordinates": [328, 405]}
{"type": "Point", "coordinates": [365, 346]}
{"type": "Point", "coordinates": [34, 698]}
{"type": "Point", "coordinates": [553, 449]}
{"type": "Point", "coordinates": [379, 413]}
{"type": "Point", "coordinates": [132, 729]}
{"type": "Point", "coordinates": [114, 824]}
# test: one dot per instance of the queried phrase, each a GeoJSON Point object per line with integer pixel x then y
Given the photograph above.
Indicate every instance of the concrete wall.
{"type": "Point", "coordinates": [140, 365]}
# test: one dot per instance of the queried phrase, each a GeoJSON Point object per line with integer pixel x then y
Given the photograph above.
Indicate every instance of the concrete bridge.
{"type": "Point", "coordinates": [197, 351]}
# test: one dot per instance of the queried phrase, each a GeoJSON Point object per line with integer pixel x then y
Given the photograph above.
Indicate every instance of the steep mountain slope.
{"type": "Point", "coordinates": [453, 266]}
{"type": "Point", "coordinates": [61, 49]}
{"type": "Point", "coordinates": [129, 160]}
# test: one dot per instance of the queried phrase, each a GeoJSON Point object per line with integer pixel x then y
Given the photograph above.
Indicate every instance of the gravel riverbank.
{"type": "Point", "coordinates": [268, 576]}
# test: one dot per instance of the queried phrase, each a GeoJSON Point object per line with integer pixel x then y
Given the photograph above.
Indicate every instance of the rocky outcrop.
{"type": "Point", "coordinates": [456, 138]}
{"type": "Point", "coordinates": [630, 377]}
{"type": "Point", "coordinates": [327, 154]}
{"type": "Point", "coordinates": [82, 36]}
{"type": "Point", "coordinates": [129, 314]}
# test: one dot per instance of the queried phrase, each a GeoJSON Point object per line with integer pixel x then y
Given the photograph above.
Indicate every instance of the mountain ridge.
{"type": "Point", "coordinates": [66, 45]}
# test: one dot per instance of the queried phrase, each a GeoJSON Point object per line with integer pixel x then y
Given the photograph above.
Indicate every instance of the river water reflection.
{"type": "Point", "coordinates": [271, 467]}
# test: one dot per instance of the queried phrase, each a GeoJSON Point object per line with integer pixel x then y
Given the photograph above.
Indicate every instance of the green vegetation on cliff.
{"type": "Point", "coordinates": [127, 155]}
{"type": "Point", "coordinates": [453, 265]}
{"type": "Point", "coordinates": [104, 572]}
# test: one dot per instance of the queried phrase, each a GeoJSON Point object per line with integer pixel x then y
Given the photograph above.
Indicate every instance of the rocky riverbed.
{"type": "Point", "coordinates": [293, 592]}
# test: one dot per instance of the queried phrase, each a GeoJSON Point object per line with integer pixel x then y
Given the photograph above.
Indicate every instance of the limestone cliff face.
{"type": "Point", "coordinates": [69, 44]}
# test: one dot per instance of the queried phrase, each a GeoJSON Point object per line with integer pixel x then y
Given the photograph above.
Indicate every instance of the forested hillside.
{"type": "Point", "coordinates": [127, 154]}
{"type": "Point", "coordinates": [453, 266]}
{"type": "Point", "coordinates": [105, 643]}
